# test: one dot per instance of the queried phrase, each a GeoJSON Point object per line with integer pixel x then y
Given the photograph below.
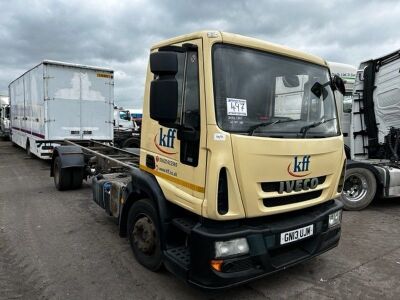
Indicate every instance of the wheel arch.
{"type": "Point", "coordinates": [351, 164]}
{"type": "Point", "coordinates": [144, 185]}
{"type": "Point", "coordinates": [70, 156]}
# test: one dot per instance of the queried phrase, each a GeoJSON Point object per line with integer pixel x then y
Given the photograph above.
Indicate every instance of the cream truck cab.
{"type": "Point", "coordinates": [226, 187]}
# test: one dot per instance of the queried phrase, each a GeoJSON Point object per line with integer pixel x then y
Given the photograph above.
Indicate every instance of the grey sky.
{"type": "Point", "coordinates": [118, 34]}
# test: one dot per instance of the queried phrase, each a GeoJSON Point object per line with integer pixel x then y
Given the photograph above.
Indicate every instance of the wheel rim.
{"type": "Point", "coordinates": [355, 187]}
{"type": "Point", "coordinates": [144, 235]}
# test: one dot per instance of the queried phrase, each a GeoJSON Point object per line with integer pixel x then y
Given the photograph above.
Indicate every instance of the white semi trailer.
{"type": "Point", "coordinates": [55, 101]}
{"type": "Point", "coordinates": [374, 165]}
{"type": "Point", "coordinates": [4, 116]}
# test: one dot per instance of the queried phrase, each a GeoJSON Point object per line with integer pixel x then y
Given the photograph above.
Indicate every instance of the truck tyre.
{"type": "Point", "coordinates": [132, 142]}
{"type": "Point", "coordinates": [62, 177]}
{"type": "Point", "coordinates": [77, 178]}
{"type": "Point", "coordinates": [359, 188]}
{"type": "Point", "coordinates": [144, 234]}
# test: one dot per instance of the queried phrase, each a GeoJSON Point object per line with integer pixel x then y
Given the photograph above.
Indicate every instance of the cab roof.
{"type": "Point", "coordinates": [236, 39]}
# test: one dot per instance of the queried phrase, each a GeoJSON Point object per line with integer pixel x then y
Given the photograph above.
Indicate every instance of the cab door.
{"type": "Point", "coordinates": [180, 152]}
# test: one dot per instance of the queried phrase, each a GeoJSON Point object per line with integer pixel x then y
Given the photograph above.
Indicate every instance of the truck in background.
{"type": "Point", "coordinates": [4, 117]}
{"type": "Point", "coordinates": [55, 101]}
{"type": "Point", "coordinates": [374, 167]}
{"type": "Point", "coordinates": [123, 119]}
{"type": "Point", "coordinates": [225, 187]}
{"type": "Point", "coordinates": [126, 130]}
{"type": "Point", "coordinates": [137, 115]}
{"type": "Point", "coordinates": [344, 102]}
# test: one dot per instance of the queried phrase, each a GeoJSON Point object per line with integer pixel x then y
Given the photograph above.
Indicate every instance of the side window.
{"type": "Point", "coordinates": [180, 77]}
{"type": "Point", "coordinates": [188, 90]}
{"type": "Point", "coordinates": [189, 106]}
{"type": "Point", "coordinates": [191, 110]}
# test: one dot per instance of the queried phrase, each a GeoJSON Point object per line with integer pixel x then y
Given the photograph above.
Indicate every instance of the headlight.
{"type": "Point", "coordinates": [335, 218]}
{"type": "Point", "coordinates": [232, 247]}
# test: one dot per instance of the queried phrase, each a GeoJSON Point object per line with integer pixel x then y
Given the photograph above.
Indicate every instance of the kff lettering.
{"type": "Point", "coordinates": [301, 166]}
{"type": "Point", "coordinates": [167, 140]}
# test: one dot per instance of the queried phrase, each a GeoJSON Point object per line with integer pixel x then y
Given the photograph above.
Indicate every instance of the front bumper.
{"type": "Point", "coordinates": [265, 256]}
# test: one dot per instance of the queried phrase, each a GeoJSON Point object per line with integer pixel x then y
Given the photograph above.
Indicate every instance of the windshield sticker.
{"type": "Point", "coordinates": [236, 107]}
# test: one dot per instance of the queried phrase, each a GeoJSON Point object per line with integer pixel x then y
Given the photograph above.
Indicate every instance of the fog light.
{"type": "Point", "coordinates": [335, 218]}
{"type": "Point", "coordinates": [232, 247]}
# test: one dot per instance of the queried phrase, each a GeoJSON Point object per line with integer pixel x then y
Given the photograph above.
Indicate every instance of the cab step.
{"type": "Point", "coordinates": [180, 255]}
{"type": "Point", "coordinates": [184, 224]}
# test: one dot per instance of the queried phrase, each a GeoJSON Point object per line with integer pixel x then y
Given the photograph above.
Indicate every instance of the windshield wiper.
{"type": "Point", "coordinates": [254, 127]}
{"type": "Point", "coordinates": [304, 129]}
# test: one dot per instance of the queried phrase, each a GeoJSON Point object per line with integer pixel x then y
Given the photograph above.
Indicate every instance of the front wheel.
{"type": "Point", "coordinates": [359, 188]}
{"type": "Point", "coordinates": [144, 234]}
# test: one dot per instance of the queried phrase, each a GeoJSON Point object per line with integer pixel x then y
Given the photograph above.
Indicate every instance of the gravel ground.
{"type": "Point", "coordinates": [60, 245]}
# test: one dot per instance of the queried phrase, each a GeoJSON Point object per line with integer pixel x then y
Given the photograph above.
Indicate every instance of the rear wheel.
{"type": "Point", "coordinates": [359, 188]}
{"type": "Point", "coordinates": [144, 234]}
{"type": "Point", "coordinates": [77, 178]}
{"type": "Point", "coordinates": [62, 177]}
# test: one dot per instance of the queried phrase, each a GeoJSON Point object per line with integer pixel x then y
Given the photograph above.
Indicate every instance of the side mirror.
{"type": "Point", "coordinates": [319, 90]}
{"type": "Point", "coordinates": [164, 88]}
{"type": "Point", "coordinates": [338, 84]}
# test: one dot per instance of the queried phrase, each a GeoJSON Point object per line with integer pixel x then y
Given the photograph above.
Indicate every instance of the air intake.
{"type": "Point", "coordinates": [222, 198]}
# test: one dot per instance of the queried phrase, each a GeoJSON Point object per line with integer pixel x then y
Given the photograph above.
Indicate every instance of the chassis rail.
{"type": "Point", "coordinates": [121, 157]}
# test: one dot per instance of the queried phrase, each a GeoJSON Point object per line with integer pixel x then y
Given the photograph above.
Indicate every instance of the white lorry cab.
{"type": "Point", "coordinates": [122, 119]}
{"type": "Point", "coordinates": [344, 102]}
{"type": "Point", "coordinates": [55, 101]}
{"type": "Point", "coordinates": [374, 167]}
{"type": "Point", "coordinates": [4, 116]}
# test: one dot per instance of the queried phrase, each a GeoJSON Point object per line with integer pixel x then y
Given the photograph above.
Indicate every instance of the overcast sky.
{"type": "Point", "coordinates": [118, 34]}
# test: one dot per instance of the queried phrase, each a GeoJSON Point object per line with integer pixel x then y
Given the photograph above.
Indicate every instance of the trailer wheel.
{"type": "Point", "coordinates": [62, 177]}
{"type": "Point", "coordinates": [76, 177]}
{"type": "Point", "coordinates": [144, 234]}
{"type": "Point", "coordinates": [359, 188]}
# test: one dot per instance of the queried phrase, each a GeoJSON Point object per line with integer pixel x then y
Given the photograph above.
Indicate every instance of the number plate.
{"type": "Point", "coordinates": [297, 234]}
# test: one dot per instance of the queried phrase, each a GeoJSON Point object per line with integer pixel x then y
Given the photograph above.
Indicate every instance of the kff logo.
{"type": "Point", "coordinates": [299, 165]}
{"type": "Point", "coordinates": [165, 140]}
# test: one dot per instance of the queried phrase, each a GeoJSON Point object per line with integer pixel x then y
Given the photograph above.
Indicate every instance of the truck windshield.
{"type": "Point", "coordinates": [264, 94]}
{"type": "Point", "coordinates": [125, 115]}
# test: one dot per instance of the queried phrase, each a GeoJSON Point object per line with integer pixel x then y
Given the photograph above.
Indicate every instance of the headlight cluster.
{"type": "Point", "coordinates": [335, 218]}
{"type": "Point", "coordinates": [232, 247]}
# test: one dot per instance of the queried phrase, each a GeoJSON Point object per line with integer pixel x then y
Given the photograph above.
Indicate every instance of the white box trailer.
{"type": "Point", "coordinates": [55, 101]}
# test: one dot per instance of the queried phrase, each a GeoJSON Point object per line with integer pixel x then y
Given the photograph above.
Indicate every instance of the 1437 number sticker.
{"type": "Point", "coordinates": [236, 107]}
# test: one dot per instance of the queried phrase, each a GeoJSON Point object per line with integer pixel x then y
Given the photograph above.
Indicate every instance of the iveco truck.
{"type": "Point", "coordinates": [55, 101]}
{"type": "Point", "coordinates": [374, 168]}
{"type": "Point", "coordinates": [240, 162]}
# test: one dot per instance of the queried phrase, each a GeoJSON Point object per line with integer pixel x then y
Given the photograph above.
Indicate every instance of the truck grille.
{"type": "Point", "coordinates": [274, 186]}
{"type": "Point", "coordinates": [284, 200]}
